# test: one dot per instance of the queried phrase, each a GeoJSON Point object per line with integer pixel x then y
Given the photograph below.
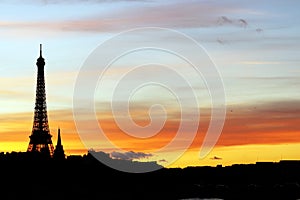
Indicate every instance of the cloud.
{"type": "Point", "coordinates": [170, 15]}
{"type": "Point", "coordinates": [259, 30]}
{"type": "Point", "coordinates": [243, 22]}
{"type": "Point", "coordinates": [70, 2]}
{"type": "Point", "coordinates": [216, 158]}
{"type": "Point", "coordinates": [221, 41]}
{"type": "Point", "coordinates": [180, 15]}
{"type": "Point", "coordinates": [261, 63]}
{"type": "Point", "coordinates": [163, 161]}
{"type": "Point", "coordinates": [274, 122]}
{"type": "Point", "coordinates": [130, 155]}
{"type": "Point", "coordinates": [223, 20]}
{"type": "Point", "coordinates": [125, 164]}
{"type": "Point", "coordinates": [16, 129]}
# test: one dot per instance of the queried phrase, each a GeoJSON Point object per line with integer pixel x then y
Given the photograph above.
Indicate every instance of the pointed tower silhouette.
{"type": "Point", "coordinates": [59, 152]}
{"type": "Point", "coordinates": [40, 138]}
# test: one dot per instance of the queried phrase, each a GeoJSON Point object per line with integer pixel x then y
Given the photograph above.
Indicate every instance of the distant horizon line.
{"type": "Point", "coordinates": [188, 166]}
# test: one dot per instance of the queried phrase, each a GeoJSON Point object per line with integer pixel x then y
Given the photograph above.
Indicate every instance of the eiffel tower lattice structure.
{"type": "Point", "coordinates": [40, 138]}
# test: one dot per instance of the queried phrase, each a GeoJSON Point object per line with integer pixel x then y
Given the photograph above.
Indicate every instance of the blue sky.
{"type": "Point", "coordinates": [266, 47]}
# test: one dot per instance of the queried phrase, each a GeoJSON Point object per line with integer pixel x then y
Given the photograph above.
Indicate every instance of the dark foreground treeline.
{"type": "Point", "coordinates": [84, 177]}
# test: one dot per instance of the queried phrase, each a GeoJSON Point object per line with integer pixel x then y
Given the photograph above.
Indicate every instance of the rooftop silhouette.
{"type": "Point", "coordinates": [84, 177]}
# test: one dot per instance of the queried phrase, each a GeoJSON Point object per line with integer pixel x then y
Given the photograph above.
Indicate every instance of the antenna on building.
{"type": "Point", "coordinates": [40, 50]}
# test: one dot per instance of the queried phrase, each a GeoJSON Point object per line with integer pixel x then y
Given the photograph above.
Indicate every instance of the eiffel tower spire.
{"type": "Point", "coordinates": [40, 138]}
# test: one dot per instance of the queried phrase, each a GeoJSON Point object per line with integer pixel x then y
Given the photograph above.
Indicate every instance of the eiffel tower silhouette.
{"type": "Point", "coordinates": [40, 138]}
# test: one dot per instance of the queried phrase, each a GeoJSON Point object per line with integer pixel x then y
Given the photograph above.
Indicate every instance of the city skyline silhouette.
{"type": "Point", "coordinates": [213, 162]}
{"type": "Point", "coordinates": [237, 181]}
{"type": "Point", "coordinates": [151, 100]}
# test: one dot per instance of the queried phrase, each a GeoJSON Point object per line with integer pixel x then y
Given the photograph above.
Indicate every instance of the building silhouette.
{"type": "Point", "coordinates": [59, 152]}
{"type": "Point", "coordinates": [40, 138]}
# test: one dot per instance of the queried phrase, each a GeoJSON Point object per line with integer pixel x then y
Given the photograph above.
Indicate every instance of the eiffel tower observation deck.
{"type": "Point", "coordinates": [40, 138]}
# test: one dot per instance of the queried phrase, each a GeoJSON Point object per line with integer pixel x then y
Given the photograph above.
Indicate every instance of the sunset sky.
{"type": "Point", "coordinates": [255, 46]}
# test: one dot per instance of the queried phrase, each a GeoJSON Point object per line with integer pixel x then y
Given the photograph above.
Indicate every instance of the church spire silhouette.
{"type": "Point", "coordinates": [40, 138]}
{"type": "Point", "coordinates": [59, 152]}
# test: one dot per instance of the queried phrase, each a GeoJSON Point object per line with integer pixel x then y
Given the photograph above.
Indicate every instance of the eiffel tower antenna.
{"type": "Point", "coordinates": [40, 50]}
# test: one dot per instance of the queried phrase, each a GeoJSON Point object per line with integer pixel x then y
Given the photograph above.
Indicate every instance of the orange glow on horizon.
{"type": "Point", "coordinates": [243, 132]}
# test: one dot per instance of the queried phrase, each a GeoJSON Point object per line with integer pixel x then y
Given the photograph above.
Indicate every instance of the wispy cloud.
{"type": "Point", "coordinates": [260, 63]}
{"type": "Point", "coordinates": [223, 20]}
{"type": "Point", "coordinates": [130, 155]}
{"type": "Point", "coordinates": [274, 122]}
{"type": "Point", "coordinates": [163, 161]}
{"type": "Point", "coordinates": [190, 14]}
{"type": "Point", "coordinates": [70, 2]}
{"type": "Point", "coordinates": [264, 123]}
{"type": "Point", "coordinates": [216, 158]}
